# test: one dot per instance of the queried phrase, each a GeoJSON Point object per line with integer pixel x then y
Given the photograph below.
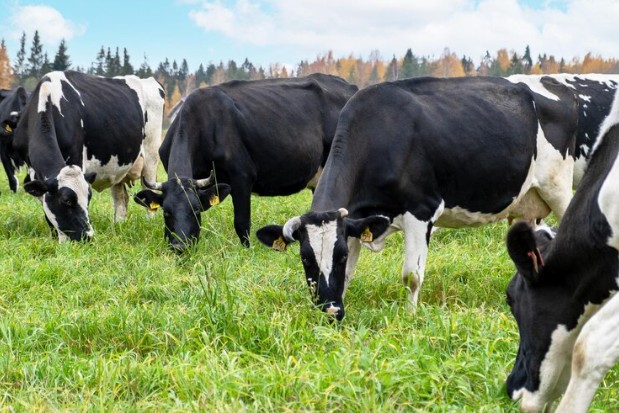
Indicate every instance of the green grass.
{"type": "Point", "coordinates": [121, 324]}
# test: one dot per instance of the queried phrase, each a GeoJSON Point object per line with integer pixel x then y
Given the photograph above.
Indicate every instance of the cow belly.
{"type": "Point", "coordinates": [108, 174]}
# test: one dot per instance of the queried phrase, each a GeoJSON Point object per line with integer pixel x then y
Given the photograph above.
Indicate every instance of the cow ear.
{"type": "Point", "coordinates": [36, 188]}
{"type": "Point", "coordinates": [90, 177]}
{"type": "Point", "coordinates": [524, 251]}
{"type": "Point", "coordinates": [273, 236]}
{"type": "Point", "coordinates": [213, 195]}
{"type": "Point", "coordinates": [149, 200]}
{"type": "Point", "coordinates": [367, 229]}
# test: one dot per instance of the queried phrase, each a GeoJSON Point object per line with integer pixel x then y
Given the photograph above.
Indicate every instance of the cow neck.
{"type": "Point", "coordinates": [46, 159]}
{"type": "Point", "coordinates": [181, 155]}
{"type": "Point", "coordinates": [581, 245]}
{"type": "Point", "coordinates": [336, 187]}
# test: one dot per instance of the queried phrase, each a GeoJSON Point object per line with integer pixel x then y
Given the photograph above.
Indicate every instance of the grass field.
{"type": "Point", "coordinates": [121, 324]}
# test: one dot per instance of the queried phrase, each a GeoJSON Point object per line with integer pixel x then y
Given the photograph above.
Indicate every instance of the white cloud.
{"type": "Point", "coordinates": [565, 28]}
{"type": "Point", "coordinates": [50, 23]}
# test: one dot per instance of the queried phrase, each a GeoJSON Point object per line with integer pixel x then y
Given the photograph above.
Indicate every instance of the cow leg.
{"type": "Point", "coordinates": [596, 351]}
{"type": "Point", "coordinates": [241, 201]}
{"type": "Point", "coordinates": [9, 169]}
{"type": "Point", "coordinates": [354, 248]}
{"type": "Point", "coordinates": [120, 198]}
{"type": "Point", "coordinates": [415, 254]}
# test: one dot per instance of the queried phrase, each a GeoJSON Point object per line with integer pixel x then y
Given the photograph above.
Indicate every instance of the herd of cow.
{"type": "Point", "coordinates": [406, 155]}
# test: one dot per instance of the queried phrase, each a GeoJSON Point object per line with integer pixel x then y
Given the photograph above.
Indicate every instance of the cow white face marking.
{"type": "Point", "coordinates": [555, 369]}
{"type": "Point", "coordinates": [52, 90]}
{"type": "Point", "coordinates": [322, 240]}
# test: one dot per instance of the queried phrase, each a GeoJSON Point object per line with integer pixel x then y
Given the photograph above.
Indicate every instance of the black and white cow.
{"type": "Point", "coordinates": [12, 103]}
{"type": "Point", "coordinates": [420, 152]}
{"type": "Point", "coordinates": [270, 137]}
{"type": "Point", "coordinates": [595, 94]}
{"type": "Point", "coordinates": [563, 294]}
{"type": "Point", "coordinates": [80, 130]}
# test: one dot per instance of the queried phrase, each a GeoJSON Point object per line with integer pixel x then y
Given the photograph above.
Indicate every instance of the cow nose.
{"type": "Point", "coordinates": [336, 311]}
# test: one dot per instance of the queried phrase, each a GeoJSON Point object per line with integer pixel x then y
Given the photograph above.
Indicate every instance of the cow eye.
{"type": "Point", "coordinates": [68, 202]}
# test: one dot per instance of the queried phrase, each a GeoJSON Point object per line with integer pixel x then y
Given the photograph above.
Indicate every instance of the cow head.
{"type": "Point", "coordinates": [542, 367]}
{"type": "Point", "coordinates": [12, 102]}
{"type": "Point", "coordinates": [323, 238]}
{"type": "Point", "coordinates": [65, 200]}
{"type": "Point", "coordinates": [183, 200]}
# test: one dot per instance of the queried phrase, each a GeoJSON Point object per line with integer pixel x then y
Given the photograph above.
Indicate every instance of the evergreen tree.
{"type": "Point", "coordinates": [183, 71]}
{"type": "Point", "coordinates": [144, 71]}
{"type": "Point", "coordinates": [410, 65]}
{"type": "Point", "coordinates": [20, 68]}
{"type": "Point", "coordinates": [61, 60]}
{"type": "Point", "coordinates": [46, 66]}
{"type": "Point", "coordinates": [210, 73]}
{"type": "Point", "coordinates": [200, 76]}
{"type": "Point", "coordinates": [516, 66]}
{"type": "Point", "coordinates": [100, 69]}
{"type": "Point", "coordinates": [527, 62]}
{"type": "Point", "coordinates": [127, 68]}
{"type": "Point", "coordinates": [35, 60]}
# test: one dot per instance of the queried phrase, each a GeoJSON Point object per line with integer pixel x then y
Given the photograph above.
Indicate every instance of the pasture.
{"type": "Point", "coordinates": [122, 324]}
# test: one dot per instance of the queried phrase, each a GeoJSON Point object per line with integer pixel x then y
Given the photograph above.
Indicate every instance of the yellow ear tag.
{"type": "Point", "coordinates": [279, 244]}
{"type": "Point", "coordinates": [153, 207]}
{"type": "Point", "coordinates": [214, 200]}
{"type": "Point", "coordinates": [8, 128]}
{"type": "Point", "coordinates": [366, 235]}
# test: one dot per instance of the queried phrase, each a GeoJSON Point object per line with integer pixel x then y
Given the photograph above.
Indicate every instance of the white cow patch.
{"type": "Point", "coordinates": [322, 240]}
{"type": "Point", "coordinates": [585, 98]}
{"type": "Point", "coordinates": [108, 174]}
{"type": "Point", "coordinates": [534, 83]}
{"type": "Point", "coordinates": [52, 90]}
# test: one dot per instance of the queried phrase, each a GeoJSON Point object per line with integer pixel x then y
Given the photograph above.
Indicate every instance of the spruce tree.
{"type": "Point", "coordinates": [36, 56]}
{"type": "Point", "coordinates": [20, 62]}
{"type": "Point", "coordinates": [127, 68]}
{"type": "Point", "coordinates": [61, 60]}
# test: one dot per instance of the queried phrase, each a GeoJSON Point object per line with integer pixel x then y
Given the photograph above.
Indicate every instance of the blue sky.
{"type": "Point", "coordinates": [288, 31]}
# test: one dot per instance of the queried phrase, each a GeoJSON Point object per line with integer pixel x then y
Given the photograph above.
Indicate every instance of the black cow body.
{"type": "Point", "coordinates": [595, 94]}
{"type": "Point", "coordinates": [416, 153]}
{"type": "Point", "coordinates": [12, 102]}
{"type": "Point", "coordinates": [269, 137]}
{"type": "Point", "coordinates": [79, 130]}
{"type": "Point", "coordinates": [563, 295]}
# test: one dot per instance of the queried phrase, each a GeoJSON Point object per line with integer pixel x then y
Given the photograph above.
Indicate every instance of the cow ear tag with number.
{"type": "Point", "coordinates": [153, 207]}
{"type": "Point", "coordinates": [279, 244]}
{"type": "Point", "coordinates": [366, 235]}
{"type": "Point", "coordinates": [214, 200]}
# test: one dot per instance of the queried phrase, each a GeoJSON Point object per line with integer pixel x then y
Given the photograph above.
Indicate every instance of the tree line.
{"type": "Point", "coordinates": [30, 65]}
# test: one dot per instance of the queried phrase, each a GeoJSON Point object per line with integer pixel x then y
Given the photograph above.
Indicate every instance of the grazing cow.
{"type": "Point", "coordinates": [595, 94]}
{"type": "Point", "coordinates": [80, 130]}
{"type": "Point", "coordinates": [411, 154]}
{"type": "Point", "coordinates": [270, 137]}
{"type": "Point", "coordinates": [12, 102]}
{"type": "Point", "coordinates": [563, 294]}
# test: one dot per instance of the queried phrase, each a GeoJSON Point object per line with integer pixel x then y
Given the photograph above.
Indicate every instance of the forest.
{"type": "Point", "coordinates": [30, 63]}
